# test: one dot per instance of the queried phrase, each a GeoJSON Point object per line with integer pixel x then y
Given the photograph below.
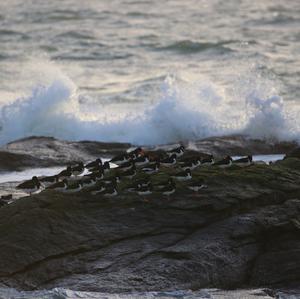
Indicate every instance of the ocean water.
{"type": "Point", "coordinates": [149, 72]}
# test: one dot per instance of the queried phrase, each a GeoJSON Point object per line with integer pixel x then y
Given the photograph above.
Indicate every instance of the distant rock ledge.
{"type": "Point", "coordinates": [47, 151]}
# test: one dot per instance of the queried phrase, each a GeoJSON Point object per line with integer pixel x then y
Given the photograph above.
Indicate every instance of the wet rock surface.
{"type": "Point", "coordinates": [242, 231]}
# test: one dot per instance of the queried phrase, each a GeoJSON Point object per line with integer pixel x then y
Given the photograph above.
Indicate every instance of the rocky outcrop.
{"type": "Point", "coordinates": [47, 151]}
{"type": "Point", "coordinates": [243, 230]}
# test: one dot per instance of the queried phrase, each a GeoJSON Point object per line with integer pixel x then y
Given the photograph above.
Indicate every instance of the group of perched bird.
{"type": "Point", "coordinates": [134, 171]}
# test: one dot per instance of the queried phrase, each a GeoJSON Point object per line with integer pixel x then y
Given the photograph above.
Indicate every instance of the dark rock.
{"type": "Point", "coordinates": [242, 231]}
{"type": "Point", "coordinates": [47, 151]}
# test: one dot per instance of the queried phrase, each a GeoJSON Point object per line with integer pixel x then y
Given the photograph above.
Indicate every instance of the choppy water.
{"type": "Point", "coordinates": [149, 71]}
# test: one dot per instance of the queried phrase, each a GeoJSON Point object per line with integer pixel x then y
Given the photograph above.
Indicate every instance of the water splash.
{"type": "Point", "coordinates": [183, 111]}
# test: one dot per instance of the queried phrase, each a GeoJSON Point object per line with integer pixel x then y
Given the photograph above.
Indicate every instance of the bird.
{"type": "Point", "coordinates": [78, 169]}
{"type": "Point", "coordinates": [96, 168]}
{"type": "Point", "coordinates": [209, 160]}
{"type": "Point", "coordinates": [169, 161]}
{"type": "Point", "coordinates": [151, 168]}
{"type": "Point", "coordinates": [135, 153]}
{"type": "Point", "coordinates": [88, 181]}
{"type": "Point", "coordinates": [196, 185]}
{"type": "Point", "coordinates": [112, 179]}
{"type": "Point", "coordinates": [97, 175]}
{"type": "Point", "coordinates": [126, 165]}
{"type": "Point", "coordinates": [66, 173]}
{"type": "Point", "coordinates": [49, 180]}
{"type": "Point", "coordinates": [191, 165]}
{"type": "Point", "coordinates": [120, 159]}
{"type": "Point", "coordinates": [59, 186]}
{"type": "Point", "coordinates": [179, 151]}
{"type": "Point", "coordinates": [224, 163]}
{"type": "Point", "coordinates": [137, 184]}
{"type": "Point", "coordinates": [183, 175]}
{"type": "Point", "coordinates": [99, 188]}
{"type": "Point", "coordinates": [6, 197]}
{"type": "Point", "coordinates": [106, 167]}
{"type": "Point", "coordinates": [93, 164]}
{"type": "Point", "coordinates": [168, 189]}
{"type": "Point", "coordinates": [72, 188]}
{"type": "Point", "coordinates": [30, 186]}
{"type": "Point", "coordinates": [110, 192]}
{"type": "Point", "coordinates": [145, 190]}
{"type": "Point", "coordinates": [245, 161]}
{"type": "Point", "coordinates": [129, 174]}
{"type": "Point", "coordinates": [141, 161]}
{"type": "Point", "coordinates": [160, 185]}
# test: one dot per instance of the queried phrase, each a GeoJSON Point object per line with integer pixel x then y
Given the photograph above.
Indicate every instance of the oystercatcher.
{"type": "Point", "coordinates": [30, 186]}
{"type": "Point", "coordinates": [245, 161]}
{"type": "Point", "coordinates": [93, 164]}
{"type": "Point", "coordinates": [224, 163]}
{"type": "Point", "coordinates": [183, 175]}
{"type": "Point", "coordinates": [120, 159]}
{"type": "Point", "coordinates": [151, 168]}
{"type": "Point", "coordinates": [179, 151]}
{"type": "Point", "coordinates": [49, 180]}
{"type": "Point", "coordinates": [169, 161]}
{"type": "Point", "coordinates": [59, 186]}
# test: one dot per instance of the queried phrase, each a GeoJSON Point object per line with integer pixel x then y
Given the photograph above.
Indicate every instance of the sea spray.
{"type": "Point", "coordinates": [183, 110]}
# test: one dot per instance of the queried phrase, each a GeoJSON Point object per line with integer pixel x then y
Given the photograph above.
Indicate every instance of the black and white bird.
{"type": "Point", "coordinates": [141, 161]}
{"type": "Point", "coordinates": [129, 174]}
{"type": "Point", "coordinates": [111, 180]}
{"type": "Point", "coordinates": [88, 181]}
{"type": "Point", "coordinates": [161, 185]}
{"type": "Point", "coordinates": [179, 151]}
{"type": "Point", "coordinates": [74, 187]}
{"type": "Point", "coordinates": [224, 163]}
{"type": "Point", "coordinates": [168, 189]}
{"type": "Point", "coordinates": [66, 173]}
{"type": "Point", "coordinates": [151, 168]}
{"type": "Point", "coordinates": [109, 192]}
{"type": "Point", "coordinates": [137, 184]}
{"type": "Point", "coordinates": [97, 175]}
{"type": "Point", "coordinates": [135, 153]}
{"type": "Point", "coordinates": [120, 159]}
{"type": "Point", "coordinates": [99, 188]}
{"type": "Point", "coordinates": [126, 165]}
{"type": "Point", "coordinates": [245, 161]}
{"type": "Point", "coordinates": [183, 175]}
{"type": "Point", "coordinates": [93, 164]}
{"type": "Point", "coordinates": [106, 167]}
{"type": "Point", "coordinates": [209, 160]}
{"type": "Point", "coordinates": [168, 161]}
{"type": "Point", "coordinates": [30, 186]}
{"type": "Point", "coordinates": [145, 190]}
{"type": "Point", "coordinates": [49, 180]}
{"type": "Point", "coordinates": [191, 165]}
{"type": "Point", "coordinates": [59, 186]}
{"type": "Point", "coordinates": [78, 169]}
{"type": "Point", "coordinates": [196, 185]}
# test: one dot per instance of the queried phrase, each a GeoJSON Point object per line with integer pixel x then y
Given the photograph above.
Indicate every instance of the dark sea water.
{"type": "Point", "coordinates": [149, 71]}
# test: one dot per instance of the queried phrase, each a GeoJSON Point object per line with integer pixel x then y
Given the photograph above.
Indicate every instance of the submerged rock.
{"type": "Point", "coordinates": [242, 231]}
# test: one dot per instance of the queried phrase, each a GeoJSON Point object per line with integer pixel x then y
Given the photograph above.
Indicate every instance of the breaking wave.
{"type": "Point", "coordinates": [182, 111]}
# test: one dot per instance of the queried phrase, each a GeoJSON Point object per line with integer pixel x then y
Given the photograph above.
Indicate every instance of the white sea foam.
{"type": "Point", "coordinates": [182, 110]}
